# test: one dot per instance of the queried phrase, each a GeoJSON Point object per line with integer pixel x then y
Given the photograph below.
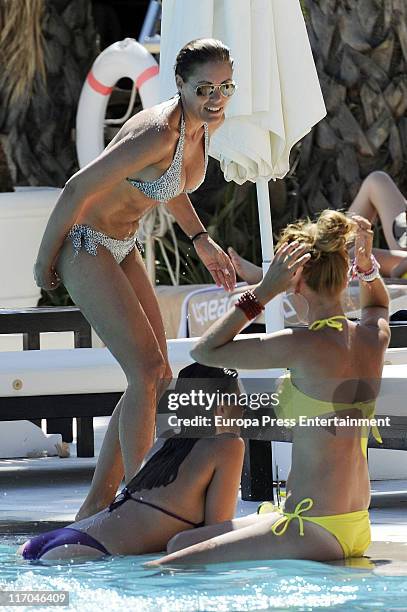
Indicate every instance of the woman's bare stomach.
{"type": "Point", "coordinates": [116, 214]}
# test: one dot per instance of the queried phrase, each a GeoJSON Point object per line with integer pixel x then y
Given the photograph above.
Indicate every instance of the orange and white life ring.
{"type": "Point", "coordinates": [126, 58]}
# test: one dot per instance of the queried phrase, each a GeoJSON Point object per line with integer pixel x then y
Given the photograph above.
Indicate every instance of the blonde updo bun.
{"type": "Point", "coordinates": [328, 239]}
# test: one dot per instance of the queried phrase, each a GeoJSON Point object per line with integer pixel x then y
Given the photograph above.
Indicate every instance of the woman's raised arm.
{"type": "Point", "coordinates": [218, 346]}
{"type": "Point", "coordinates": [374, 297]}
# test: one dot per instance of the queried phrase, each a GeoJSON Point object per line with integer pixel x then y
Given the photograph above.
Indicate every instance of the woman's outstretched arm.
{"type": "Point", "coordinates": [212, 256]}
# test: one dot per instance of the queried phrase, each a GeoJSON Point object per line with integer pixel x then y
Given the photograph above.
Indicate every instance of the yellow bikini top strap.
{"type": "Point", "coordinates": [329, 322]}
{"type": "Point", "coordinates": [364, 436]}
{"type": "Point", "coordinates": [283, 522]}
{"type": "Point", "coordinates": [376, 434]}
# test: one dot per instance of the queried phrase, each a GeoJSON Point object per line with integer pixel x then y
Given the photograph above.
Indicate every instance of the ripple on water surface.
{"type": "Point", "coordinates": [122, 583]}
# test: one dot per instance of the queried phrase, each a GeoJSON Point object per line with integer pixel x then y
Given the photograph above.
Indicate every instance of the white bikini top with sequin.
{"type": "Point", "coordinates": [167, 186]}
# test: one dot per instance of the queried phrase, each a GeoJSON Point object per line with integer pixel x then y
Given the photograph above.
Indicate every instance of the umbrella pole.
{"type": "Point", "coordinates": [274, 310]}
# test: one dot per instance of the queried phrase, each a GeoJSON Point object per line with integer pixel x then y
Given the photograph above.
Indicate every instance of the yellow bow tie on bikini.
{"type": "Point", "coordinates": [329, 322]}
{"type": "Point", "coordinates": [280, 526]}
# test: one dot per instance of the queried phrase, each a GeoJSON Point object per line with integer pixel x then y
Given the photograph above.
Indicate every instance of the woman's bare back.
{"type": "Point", "coordinates": [328, 358]}
{"type": "Point", "coordinates": [135, 528]}
{"type": "Point", "coordinates": [351, 374]}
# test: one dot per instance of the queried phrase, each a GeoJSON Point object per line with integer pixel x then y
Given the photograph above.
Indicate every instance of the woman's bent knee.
{"type": "Point", "coordinates": [157, 366]}
{"type": "Point", "coordinates": [150, 370]}
{"type": "Point", "coordinates": [174, 544]}
{"type": "Point", "coordinates": [376, 178]}
{"type": "Point", "coordinates": [168, 371]}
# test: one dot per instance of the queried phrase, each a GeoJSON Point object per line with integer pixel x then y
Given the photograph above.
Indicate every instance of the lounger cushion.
{"type": "Point", "coordinates": [71, 371]}
{"type": "Point", "coordinates": [95, 370]}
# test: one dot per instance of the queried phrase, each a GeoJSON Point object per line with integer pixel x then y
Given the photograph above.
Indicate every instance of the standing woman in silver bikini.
{"type": "Point", "coordinates": [159, 155]}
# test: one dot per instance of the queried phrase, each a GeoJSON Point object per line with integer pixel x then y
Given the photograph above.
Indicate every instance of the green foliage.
{"type": "Point", "coordinates": [304, 9]}
{"type": "Point", "coordinates": [234, 223]}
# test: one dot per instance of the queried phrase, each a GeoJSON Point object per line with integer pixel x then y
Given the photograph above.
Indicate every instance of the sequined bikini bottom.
{"type": "Point", "coordinates": [89, 238]}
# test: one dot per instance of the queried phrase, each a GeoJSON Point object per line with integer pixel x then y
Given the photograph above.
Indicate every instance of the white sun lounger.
{"type": "Point", "coordinates": [85, 382]}
{"type": "Point", "coordinates": [81, 383]}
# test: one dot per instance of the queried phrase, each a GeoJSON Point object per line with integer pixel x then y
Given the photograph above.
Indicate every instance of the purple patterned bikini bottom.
{"type": "Point", "coordinates": [38, 546]}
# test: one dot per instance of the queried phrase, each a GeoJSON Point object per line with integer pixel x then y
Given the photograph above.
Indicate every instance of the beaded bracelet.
{"type": "Point", "coordinates": [368, 276]}
{"type": "Point", "coordinates": [250, 305]}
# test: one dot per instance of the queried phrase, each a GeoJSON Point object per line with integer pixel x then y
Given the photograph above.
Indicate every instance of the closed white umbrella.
{"type": "Point", "coordinates": [278, 99]}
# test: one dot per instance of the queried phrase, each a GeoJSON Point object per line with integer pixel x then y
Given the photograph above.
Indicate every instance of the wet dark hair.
{"type": "Point", "coordinates": [162, 468]}
{"type": "Point", "coordinates": [200, 51]}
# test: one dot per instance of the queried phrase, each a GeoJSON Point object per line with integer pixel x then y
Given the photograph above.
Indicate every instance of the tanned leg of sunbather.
{"type": "Point", "coordinates": [378, 198]}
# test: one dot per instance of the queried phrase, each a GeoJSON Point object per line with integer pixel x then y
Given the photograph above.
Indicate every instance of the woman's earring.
{"type": "Point", "coordinates": [295, 308]}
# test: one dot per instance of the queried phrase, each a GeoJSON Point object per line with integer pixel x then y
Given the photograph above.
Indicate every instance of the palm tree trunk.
{"type": "Point", "coordinates": [39, 125]}
{"type": "Point", "coordinates": [6, 183]}
{"type": "Point", "coordinates": [360, 49]}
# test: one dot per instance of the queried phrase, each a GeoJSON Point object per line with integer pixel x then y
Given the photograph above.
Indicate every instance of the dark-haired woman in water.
{"type": "Point", "coordinates": [188, 483]}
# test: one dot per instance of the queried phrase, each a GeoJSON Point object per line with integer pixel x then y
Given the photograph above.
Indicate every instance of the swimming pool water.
{"type": "Point", "coordinates": [121, 583]}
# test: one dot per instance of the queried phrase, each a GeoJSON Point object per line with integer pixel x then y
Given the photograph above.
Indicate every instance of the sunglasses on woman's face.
{"type": "Point", "coordinates": [226, 89]}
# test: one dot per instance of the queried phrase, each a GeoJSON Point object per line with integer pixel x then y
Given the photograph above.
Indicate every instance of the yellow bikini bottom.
{"type": "Point", "coordinates": [352, 530]}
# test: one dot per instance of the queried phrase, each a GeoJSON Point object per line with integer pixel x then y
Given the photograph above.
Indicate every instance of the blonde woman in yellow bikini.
{"type": "Point", "coordinates": [335, 369]}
